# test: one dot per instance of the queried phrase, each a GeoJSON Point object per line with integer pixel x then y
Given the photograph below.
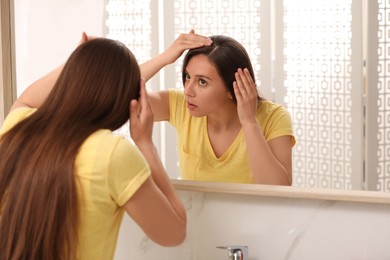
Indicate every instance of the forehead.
{"type": "Point", "coordinates": [201, 65]}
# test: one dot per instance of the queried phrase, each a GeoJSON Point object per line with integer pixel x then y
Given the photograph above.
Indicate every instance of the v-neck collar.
{"type": "Point", "coordinates": [228, 151]}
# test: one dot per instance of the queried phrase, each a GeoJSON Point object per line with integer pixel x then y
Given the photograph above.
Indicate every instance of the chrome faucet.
{"type": "Point", "coordinates": [236, 252]}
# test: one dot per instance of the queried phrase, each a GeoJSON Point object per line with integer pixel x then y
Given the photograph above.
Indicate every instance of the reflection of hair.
{"type": "Point", "coordinates": [39, 202]}
{"type": "Point", "coordinates": [228, 55]}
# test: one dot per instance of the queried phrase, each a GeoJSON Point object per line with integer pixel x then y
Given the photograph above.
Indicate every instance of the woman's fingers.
{"type": "Point", "coordinates": [185, 42]}
{"type": "Point", "coordinates": [138, 106]}
{"type": "Point", "coordinates": [141, 116]}
{"type": "Point", "coordinates": [246, 95]}
{"type": "Point", "coordinates": [245, 83]}
{"type": "Point", "coordinates": [237, 92]}
{"type": "Point", "coordinates": [134, 111]}
{"type": "Point", "coordinates": [241, 84]}
{"type": "Point", "coordinates": [251, 83]}
{"type": "Point", "coordinates": [193, 40]}
{"type": "Point", "coordinates": [142, 90]}
{"type": "Point", "coordinates": [84, 38]}
{"type": "Point", "coordinates": [144, 99]}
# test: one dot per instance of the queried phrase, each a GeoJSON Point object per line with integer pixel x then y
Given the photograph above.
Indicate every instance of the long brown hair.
{"type": "Point", "coordinates": [227, 55]}
{"type": "Point", "coordinates": [38, 190]}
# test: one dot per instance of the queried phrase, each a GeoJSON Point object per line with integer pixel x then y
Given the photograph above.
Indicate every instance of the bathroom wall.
{"type": "Point", "coordinates": [272, 227]}
{"type": "Point", "coordinates": [46, 32]}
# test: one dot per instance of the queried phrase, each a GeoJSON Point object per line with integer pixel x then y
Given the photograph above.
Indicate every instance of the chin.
{"type": "Point", "coordinates": [196, 114]}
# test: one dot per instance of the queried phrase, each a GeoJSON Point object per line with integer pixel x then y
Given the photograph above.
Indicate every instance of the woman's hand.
{"type": "Point", "coordinates": [141, 117]}
{"type": "Point", "coordinates": [246, 95]}
{"type": "Point", "coordinates": [170, 55]}
{"type": "Point", "coordinates": [85, 38]}
{"type": "Point", "coordinates": [185, 42]}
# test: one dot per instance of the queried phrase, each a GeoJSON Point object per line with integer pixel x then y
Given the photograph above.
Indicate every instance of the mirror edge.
{"type": "Point", "coordinates": [283, 191]}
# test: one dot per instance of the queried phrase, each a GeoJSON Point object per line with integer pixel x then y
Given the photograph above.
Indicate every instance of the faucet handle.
{"type": "Point", "coordinates": [236, 252]}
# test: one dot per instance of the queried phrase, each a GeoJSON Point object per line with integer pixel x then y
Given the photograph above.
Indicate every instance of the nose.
{"type": "Point", "coordinates": [189, 89]}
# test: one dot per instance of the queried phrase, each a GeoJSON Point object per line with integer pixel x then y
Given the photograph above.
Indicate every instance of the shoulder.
{"type": "Point", "coordinates": [175, 94]}
{"type": "Point", "coordinates": [268, 109]}
{"type": "Point", "coordinates": [120, 150]}
{"type": "Point", "coordinates": [105, 149]}
{"type": "Point", "coordinates": [15, 116]}
{"type": "Point", "coordinates": [273, 116]}
{"type": "Point", "coordinates": [112, 144]}
{"type": "Point", "coordinates": [114, 161]}
{"type": "Point", "coordinates": [275, 120]}
{"type": "Point", "coordinates": [177, 107]}
{"type": "Point", "coordinates": [21, 112]}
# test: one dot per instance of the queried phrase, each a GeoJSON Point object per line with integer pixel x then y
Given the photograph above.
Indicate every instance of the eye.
{"type": "Point", "coordinates": [186, 76]}
{"type": "Point", "coordinates": [202, 82]}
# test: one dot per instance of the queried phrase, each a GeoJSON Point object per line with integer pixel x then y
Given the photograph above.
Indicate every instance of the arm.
{"type": "Point", "coordinates": [270, 162]}
{"type": "Point", "coordinates": [159, 100]}
{"type": "Point", "coordinates": [156, 206]}
{"type": "Point", "coordinates": [37, 92]}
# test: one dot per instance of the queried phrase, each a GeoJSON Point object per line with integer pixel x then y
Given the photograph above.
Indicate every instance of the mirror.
{"type": "Point", "coordinates": [313, 68]}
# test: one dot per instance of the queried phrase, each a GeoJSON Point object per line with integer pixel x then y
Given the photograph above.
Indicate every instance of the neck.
{"type": "Point", "coordinates": [226, 120]}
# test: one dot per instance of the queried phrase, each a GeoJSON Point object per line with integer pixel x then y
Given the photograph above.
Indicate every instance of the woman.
{"type": "Point", "coordinates": [65, 179]}
{"type": "Point", "coordinates": [226, 132]}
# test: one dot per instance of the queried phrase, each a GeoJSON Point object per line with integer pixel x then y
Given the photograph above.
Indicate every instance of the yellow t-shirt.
{"type": "Point", "coordinates": [197, 159]}
{"type": "Point", "coordinates": [109, 170]}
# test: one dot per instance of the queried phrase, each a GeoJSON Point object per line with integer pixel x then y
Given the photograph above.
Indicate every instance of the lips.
{"type": "Point", "coordinates": [191, 106]}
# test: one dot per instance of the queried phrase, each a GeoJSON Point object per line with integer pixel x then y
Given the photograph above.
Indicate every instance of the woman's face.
{"type": "Point", "coordinates": [204, 88]}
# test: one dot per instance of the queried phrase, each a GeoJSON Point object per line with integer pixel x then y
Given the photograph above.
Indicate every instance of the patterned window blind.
{"type": "Point", "coordinates": [378, 96]}
{"type": "Point", "coordinates": [317, 51]}
{"type": "Point", "coordinates": [129, 21]}
{"type": "Point", "coordinates": [309, 56]}
{"type": "Point", "coordinates": [383, 99]}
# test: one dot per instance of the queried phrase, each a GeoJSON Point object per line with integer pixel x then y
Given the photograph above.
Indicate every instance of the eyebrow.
{"type": "Point", "coordinates": [200, 76]}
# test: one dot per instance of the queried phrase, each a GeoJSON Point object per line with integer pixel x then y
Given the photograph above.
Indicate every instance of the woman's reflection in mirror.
{"type": "Point", "coordinates": [226, 131]}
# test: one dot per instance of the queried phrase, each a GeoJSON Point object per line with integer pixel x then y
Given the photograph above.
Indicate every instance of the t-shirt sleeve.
{"type": "Point", "coordinates": [128, 170]}
{"type": "Point", "coordinates": [176, 107]}
{"type": "Point", "coordinates": [15, 117]}
{"type": "Point", "coordinates": [280, 125]}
